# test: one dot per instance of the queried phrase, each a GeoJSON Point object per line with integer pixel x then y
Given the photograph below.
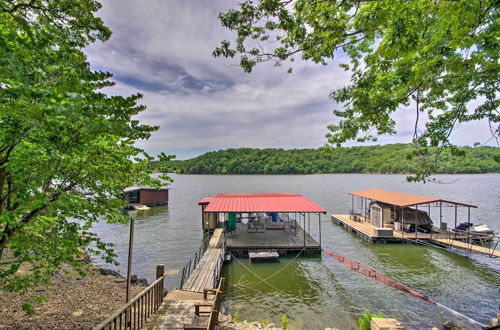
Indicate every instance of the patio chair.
{"type": "Point", "coordinates": [256, 226]}
{"type": "Point", "coordinates": [293, 227]}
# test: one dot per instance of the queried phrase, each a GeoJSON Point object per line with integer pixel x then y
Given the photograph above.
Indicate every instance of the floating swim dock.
{"type": "Point", "coordinates": [263, 256]}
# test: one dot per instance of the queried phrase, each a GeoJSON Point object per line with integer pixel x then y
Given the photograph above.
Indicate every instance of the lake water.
{"type": "Point", "coordinates": [316, 291]}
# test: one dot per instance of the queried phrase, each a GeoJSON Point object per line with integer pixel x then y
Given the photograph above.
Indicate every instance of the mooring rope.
{"type": "Point", "coordinates": [251, 287]}
{"type": "Point", "coordinates": [281, 269]}
{"type": "Point", "coordinates": [260, 278]}
{"type": "Point", "coordinates": [373, 274]}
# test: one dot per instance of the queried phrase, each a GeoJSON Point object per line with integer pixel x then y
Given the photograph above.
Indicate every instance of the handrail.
{"type": "Point", "coordinates": [487, 241]}
{"type": "Point", "coordinates": [137, 311]}
{"type": "Point", "coordinates": [218, 267]}
{"type": "Point", "coordinates": [191, 264]}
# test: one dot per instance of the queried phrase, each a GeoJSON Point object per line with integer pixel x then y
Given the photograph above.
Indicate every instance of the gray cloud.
{"type": "Point", "coordinates": [162, 49]}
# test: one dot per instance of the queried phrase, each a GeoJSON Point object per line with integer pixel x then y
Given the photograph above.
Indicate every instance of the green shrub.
{"type": "Point", "coordinates": [365, 319]}
{"type": "Point", "coordinates": [284, 322]}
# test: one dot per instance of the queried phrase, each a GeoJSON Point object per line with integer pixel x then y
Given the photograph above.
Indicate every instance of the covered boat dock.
{"type": "Point", "coordinates": [278, 222]}
{"type": "Point", "coordinates": [392, 217]}
{"type": "Point", "coordinates": [400, 211]}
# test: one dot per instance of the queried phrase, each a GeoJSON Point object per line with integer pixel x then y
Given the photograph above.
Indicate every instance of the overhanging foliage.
{"type": "Point", "coordinates": [438, 58]}
{"type": "Point", "coordinates": [66, 148]}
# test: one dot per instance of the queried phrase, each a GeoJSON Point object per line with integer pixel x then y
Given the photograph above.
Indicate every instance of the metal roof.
{"type": "Point", "coordinates": [267, 202]}
{"type": "Point", "coordinates": [401, 199]}
{"type": "Point", "coordinates": [205, 201]}
{"type": "Point", "coordinates": [129, 189]}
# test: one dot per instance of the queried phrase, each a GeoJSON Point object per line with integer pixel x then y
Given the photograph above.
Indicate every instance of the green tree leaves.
{"type": "Point", "coordinates": [434, 57]}
{"type": "Point", "coordinates": [369, 159]}
{"type": "Point", "coordinates": [67, 150]}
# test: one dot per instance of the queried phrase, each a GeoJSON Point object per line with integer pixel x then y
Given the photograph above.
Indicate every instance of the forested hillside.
{"type": "Point", "coordinates": [366, 159]}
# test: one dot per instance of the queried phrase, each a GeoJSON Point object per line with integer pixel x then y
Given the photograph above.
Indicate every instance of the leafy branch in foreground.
{"type": "Point", "coordinates": [67, 150]}
{"type": "Point", "coordinates": [436, 58]}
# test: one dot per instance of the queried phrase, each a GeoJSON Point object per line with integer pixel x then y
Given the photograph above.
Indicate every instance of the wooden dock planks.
{"type": "Point", "coordinates": [360, 226]}
{"type": "Point", "coordinates": [470, 247]}
{"type": "Point", "coordinates": [202, 276]}
{"type": "Point", "coordinates": [270, 239]}
{"type": "Point", "coordinates": [217, 238]}
{"type": "Point", "coordinates": [176, 311]}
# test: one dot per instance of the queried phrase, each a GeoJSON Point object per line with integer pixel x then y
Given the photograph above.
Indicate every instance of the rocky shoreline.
{"type": "Point", "coordinates": [226, 322]}
{"type": "Point", "coordinates": [70, 302]}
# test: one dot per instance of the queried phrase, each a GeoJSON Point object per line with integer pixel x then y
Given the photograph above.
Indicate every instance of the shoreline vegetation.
{"type": "Point", "coordinates": [377, 159]}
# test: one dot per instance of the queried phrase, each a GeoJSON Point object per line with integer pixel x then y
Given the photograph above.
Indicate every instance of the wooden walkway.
{"type": "Point", "coordinates": [176, 311]}
{"type": "Point", "coordinates": [470, 247]}
{"type": "Point", "coordinates": [366, 230]}
{"type": "Point", "coordinates": [205, 275]}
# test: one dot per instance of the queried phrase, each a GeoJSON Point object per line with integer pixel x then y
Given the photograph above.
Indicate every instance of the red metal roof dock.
{"type": "Point", "coordinates": [401, 199]}
{"type": "Point", "coordinates": [265, 202]}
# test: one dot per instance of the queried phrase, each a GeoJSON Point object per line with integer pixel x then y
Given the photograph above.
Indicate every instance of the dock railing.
{"type": "Point", "coordinates": [460, 238]}
{"type": "Point", "coordinates": [135, 313]}
{"type": "Point", "coordinates": [191, 264]}
{"type": "Point", "coordinates": [485, 240]}
{"type": "Point", "coordinates": [218, 266]}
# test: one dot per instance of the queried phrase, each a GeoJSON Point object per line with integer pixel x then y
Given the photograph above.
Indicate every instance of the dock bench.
{"type": "Point", "coordinates": [256, 226]}
{"type": "Point", "coordinates": [207, 313]}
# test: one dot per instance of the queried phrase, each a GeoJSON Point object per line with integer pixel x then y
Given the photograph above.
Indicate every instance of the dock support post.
{"type": "Point", "coordinates": [304, 230]}
{"type": "Point", "coordinates": [416, 220]}
{"type": "Point", "coordinates": [468, 224]}
{"type": "Point", "coordinates": [456, 215]}
{"type": "Point", "coordinates": [319, 224]}
{"type": "Point", "coordinates": [160, 271]}
{"type": "Point", "coordinates": [440, 214]}
{"type": "Point", "coordinates": [402, 221]}
{"type": "Point", "coordinates": [309, 223]}
{"type": "Point", "coordinates": [129, 265]}
{"type": "Point", "coordinates": [364, 204]}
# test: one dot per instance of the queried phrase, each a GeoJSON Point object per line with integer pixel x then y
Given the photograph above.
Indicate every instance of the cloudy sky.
{"type": "Point", "coordinates": [162, 49]}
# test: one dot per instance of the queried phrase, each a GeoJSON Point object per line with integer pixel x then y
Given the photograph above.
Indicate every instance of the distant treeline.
{"type": "Point", "coordinates": [391, 158]}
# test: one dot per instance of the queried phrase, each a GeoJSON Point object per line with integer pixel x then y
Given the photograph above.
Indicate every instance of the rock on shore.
{"type": "Point", "coordinates": [71, 302]}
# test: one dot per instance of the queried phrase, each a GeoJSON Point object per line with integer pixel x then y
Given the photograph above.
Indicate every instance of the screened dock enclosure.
{"type": "Point", "coordinates": [271, 221]}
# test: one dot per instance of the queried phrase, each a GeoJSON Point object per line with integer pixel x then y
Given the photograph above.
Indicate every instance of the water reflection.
{"type": "Point", "coordinates": [273, 289]}
{"type": "Point", "coordinates": [153, 211]}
